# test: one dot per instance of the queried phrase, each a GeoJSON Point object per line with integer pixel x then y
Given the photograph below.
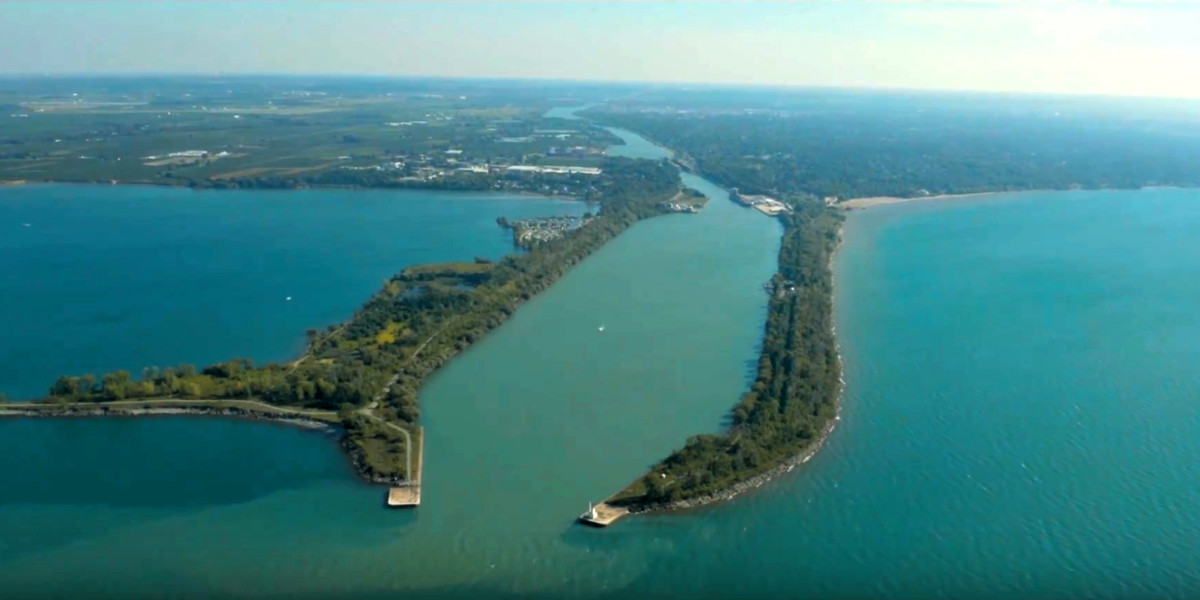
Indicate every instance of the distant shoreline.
{"type": "Point", "coordinates": [184, 186]}
{"type": "Point", "coordinates": [870, 201]}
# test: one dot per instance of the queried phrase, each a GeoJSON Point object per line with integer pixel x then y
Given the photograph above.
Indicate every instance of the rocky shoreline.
{"type": "Point", "coordinates": [105, 411]}
{"type": "Point", "coordinates": [742, 486]}
{"type": "Point", "coordinates": [359, 460]}
{"type": "Point", "coordinates": [352, 451]}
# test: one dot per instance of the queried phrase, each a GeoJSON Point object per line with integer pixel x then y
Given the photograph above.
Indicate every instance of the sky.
{"type": "Point", "coordinates": [1140, 49]}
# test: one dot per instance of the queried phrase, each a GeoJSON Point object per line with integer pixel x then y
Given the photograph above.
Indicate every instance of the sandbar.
{"type": "Point", "coordinates": [882, 200]}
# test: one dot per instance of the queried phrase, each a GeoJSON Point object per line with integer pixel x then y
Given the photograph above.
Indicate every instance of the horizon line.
{"type": "Point", "coordinates": [608, 82]}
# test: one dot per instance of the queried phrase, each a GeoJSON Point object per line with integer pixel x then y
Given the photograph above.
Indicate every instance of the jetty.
{"type": "Point", "coordinates": [403, 496]}
{"type": "Point", "coordinates": [408, 494]}
{"type": "Point", "coordinates": [602, 515]}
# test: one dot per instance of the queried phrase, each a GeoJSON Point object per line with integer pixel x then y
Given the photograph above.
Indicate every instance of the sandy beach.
{"type": "Point", "coordinates": [882, 200]}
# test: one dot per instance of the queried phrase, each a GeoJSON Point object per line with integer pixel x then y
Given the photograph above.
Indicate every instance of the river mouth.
{"type": "Point", "coordinates": [522, 430]}
{"type": "Point", "coordinates": [1017, 418]}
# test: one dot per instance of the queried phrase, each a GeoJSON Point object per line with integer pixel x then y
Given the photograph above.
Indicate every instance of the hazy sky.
{"type": "Point", "coordinates": [1138, 49]}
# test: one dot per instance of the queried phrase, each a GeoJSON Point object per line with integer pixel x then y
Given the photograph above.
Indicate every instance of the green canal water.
{"type": "Point", "coordinates": [1018, 422]}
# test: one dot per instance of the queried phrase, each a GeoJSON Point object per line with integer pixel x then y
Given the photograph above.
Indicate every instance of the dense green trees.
{"type": "Point", "coordinates": [911, 149]}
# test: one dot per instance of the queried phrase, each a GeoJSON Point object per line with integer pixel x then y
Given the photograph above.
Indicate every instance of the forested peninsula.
{"type": "Point", "coordinates": [812, 155]}
{"type": "Point", "coordinates": [791, 405]}
{"type": "Point", "coordinates": [366, 373]}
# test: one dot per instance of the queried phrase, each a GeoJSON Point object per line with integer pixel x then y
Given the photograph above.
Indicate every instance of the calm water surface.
{"type": "Point", "coordinates": [541, 417]}
{"type": "Point", "coordinates": [125, 277]}
{"type": "Point", "coordinates": [635, 146]}
{"type": "Point", "coordinates": [1018, 423]}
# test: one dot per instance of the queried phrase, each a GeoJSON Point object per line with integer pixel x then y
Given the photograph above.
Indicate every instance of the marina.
{"type": "Point", "coordinates": [539, 230]}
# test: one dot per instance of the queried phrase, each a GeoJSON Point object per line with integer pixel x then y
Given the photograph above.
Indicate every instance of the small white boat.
{"type": "Point", "coordinates": [289, 298]}
{"type": "Point", "coordinates": [601, 328]}
{"type": "Point", "coordinates": [26, 224]}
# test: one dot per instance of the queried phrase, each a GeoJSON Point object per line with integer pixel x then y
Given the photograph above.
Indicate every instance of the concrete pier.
{"type": "Point", "coordinates": [602, 515]}
{"type": "Point", "coordinates": [404, 496]}
{"type": "Point", "coordinates": [408, 494]}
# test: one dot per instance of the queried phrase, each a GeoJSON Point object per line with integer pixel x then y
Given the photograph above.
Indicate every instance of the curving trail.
{"type": "Point", "coordinates": [369, 410]}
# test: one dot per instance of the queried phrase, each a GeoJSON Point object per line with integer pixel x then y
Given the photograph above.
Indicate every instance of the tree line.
{"type": "Point", "coordinates": [909, 151]}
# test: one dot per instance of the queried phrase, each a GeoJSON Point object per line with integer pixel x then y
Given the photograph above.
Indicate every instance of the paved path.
{"type": "Point", "coordinates": [369, 410]}
{"type": "Point", "coordinates": [408, 473]}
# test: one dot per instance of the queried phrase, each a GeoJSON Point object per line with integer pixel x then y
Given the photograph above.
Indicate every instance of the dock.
{"type": "Point", "coordinates": [403, 496]}
{"type": "Point", "coordinates": [771, 210]}
{"type": "Point", "coordinates": [408, 494]}
{"type": "Point", "coordinates": [602, 515]}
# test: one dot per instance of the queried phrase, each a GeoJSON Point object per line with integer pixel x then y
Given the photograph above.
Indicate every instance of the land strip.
{"type": "Point", "coordinates": [366, 373]}
{"type": "Point", "coordinates": [791, 407]}
{"type": "Point", "coordinates": [169, 406]}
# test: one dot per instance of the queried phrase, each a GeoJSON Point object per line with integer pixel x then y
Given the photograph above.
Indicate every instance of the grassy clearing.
{"type": "Point", "coordinates": [450, 269]}
{"type": "Point", "coordinates": [391, 333]}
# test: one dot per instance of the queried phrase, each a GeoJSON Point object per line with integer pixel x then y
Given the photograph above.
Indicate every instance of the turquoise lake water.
{"type": "Point", "coordinates": [126, 277]}
{"type": "Point", "coordinates": [523, 430]}
{"type": "Point", "coordinates": [1018, 422]}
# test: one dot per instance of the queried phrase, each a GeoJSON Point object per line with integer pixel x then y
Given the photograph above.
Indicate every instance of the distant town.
{"type": "Point", "coordinates": [286, 138]}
